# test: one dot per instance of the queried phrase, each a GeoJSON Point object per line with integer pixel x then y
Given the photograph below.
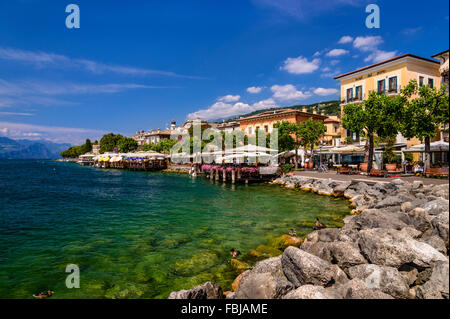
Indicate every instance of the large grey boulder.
{"type": "Point", "coordinates": [357, 289]}
{"type": "Point", "coordinates": [301, 268]}
{"type": "Point", "coordinates": [388, 279]}
{"type": "Point", "coordinates": [437, 206]}
{"type": "Point", "coordinates": [262, 286]}
{"type": "Point", "coordinates": [270, 265]}
{"type": "Point", "coordinates": [344, 254]}
{"type": "Point", "coordinates": [340, 188]}
{"type": "Point", "coordinates": [375, 218]}
{"type": "Point", "coordinates": [322, 235]}
{"type": "Point", "coordinates": [436, 242]}
{"type": "Point", "coordinates": [437, 286]}
{"type": "Point", "coordinates": [391, 201]}
{"type": "Point", "coordinates": [209, 290]}
{"type": "Point", "coordinates": [419, 218]}
{"type": "Point", "coordinates": [395, 248]}
{"type": "Point", "coordinates": [312, 292]}
{"type": "Point", "coordinates": [440, 224]}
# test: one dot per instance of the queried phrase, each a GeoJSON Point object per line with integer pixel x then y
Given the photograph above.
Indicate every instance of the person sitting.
{"type": "Point", "coordinates": [319, 225]}
{"type": "Point", "coordinates": [234, 253]}
{"type": "Point", "coordinates": [44, 294]}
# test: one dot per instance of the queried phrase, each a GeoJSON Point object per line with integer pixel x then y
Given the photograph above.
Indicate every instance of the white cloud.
{"type": "Point", "coordinates": [325, 92]}
{"type": "Point", "coordinates": [15, 114]}
{"type": "Point", "coordinates": [318, 53]}
{"type": "Point", "coordinates": [229, 98]}
{"type": "Point", "coordinates": [334, 62]}
{"type": "Point", "coordinates": [41, 59]}
{"type": "Point", "coordinates": [254, 89]}
{"type": "Point", "coordinates": [367, 43]}
{"type": "Point", "coordinates": [288, 92]}
{"type": "Point", "coordinates": [337, 52]}
{"type": "Point", "coordinates": [50, 133]}
{"type": "Point", "coordinates": [300, 65]}
{"type": "Point", "coordinates": [225, 110]}
{"type": "Point", "coordinates": [380, 55]}
{"type": "Point", "coordinates": [345, 39]}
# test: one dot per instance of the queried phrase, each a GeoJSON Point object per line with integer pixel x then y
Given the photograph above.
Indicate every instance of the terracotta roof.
{"type": "Point", "coordinates": [386, 61]}
{"type": "Point", "coordinates": [330, 120]}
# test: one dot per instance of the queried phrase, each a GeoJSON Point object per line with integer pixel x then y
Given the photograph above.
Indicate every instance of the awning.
{"type": "Point", "coordinates": [438, 146]}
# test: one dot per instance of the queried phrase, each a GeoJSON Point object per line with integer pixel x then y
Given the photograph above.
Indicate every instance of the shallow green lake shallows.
{"type": "Point", "coordinates": [136, 235]}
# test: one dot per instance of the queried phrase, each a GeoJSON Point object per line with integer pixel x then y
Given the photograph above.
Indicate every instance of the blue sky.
{"type": "Point", "coordinates": [138, 66]}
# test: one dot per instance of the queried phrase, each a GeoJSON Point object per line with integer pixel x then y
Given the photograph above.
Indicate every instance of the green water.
{"type": "Point", "coordinates": [136, 234]}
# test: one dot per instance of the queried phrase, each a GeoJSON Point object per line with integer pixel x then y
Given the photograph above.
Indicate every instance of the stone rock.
{"type": "Point", "coordinates": [440, 224]}
{"type": "Point", "coordinates": [406, 207]}
{"type": "Point", "coordinates": [395, 248]}
{"type": "Point", "coordinates": [357, 289]}
{"type": "Point", "coordinates": [209, 290]}
{"type": "Point", "coordinates": [323, 235]}
{"type": "Point", "coordinates": [285, 241]}
{"type": "Point", "coordinates": [375, 218]}
{"type": "Point", "coordinates": [270, 265]}
{"type": "Point", "coordinates": [344, 254]}
{"type": "Point", "coordinates": [436, 242]}
{"type": "Point", "coordinates": [419, 218]}
{"type": "Point", "coordinates": [390, 201]}
{"type": "Point", "coordinates": [410, 275]}
{"type": "Point", "coordinates": [340, 188]}
{"type": "Point", "coordinates": [236, 281]}
{"type": "Point", "coordinates": [437, 286]}
{"type": "Point", "coordinates": [423, 276]}
{"type": "Point", "coordinates": [435, 207]}
{"type": "Point", "coordinates": [262, 286]}
{"type": "Point", "coordinates": [388, 279]}
{"type": "Point", "coordinates": [230, 295]}
{"type": "Point", "coordinates": [303, 268]}
{"type": "Point", "coordinates": [312, 292]}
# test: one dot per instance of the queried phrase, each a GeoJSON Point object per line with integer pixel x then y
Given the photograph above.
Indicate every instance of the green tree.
{"type": "Point", "coordinates": [310, 133]}
{"type": "Point", "coordinates": [127, 144]}
{"type": "Point", "coordinates": [285, 140]}
{"type": "Point", "coordinates": [378, 115]}
{"type": "Point", "coordinates": [75, 151]}
{"type": "Point", "coordinates": [109, 141]}
{"type": "Point", "coordinates": [424, 113]}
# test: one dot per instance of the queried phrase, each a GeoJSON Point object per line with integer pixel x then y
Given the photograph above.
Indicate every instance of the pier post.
{"type": "Point", "coordinates": [224, 175]}
{"type": "Point", "coordinates": [211, 174]}
{"type": "Point", "coordinates": [217, 174]}
{"type": "Point", "coordinates": [233, 176]}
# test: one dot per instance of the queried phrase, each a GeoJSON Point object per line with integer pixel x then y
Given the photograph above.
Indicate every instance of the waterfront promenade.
{"type": "Point", "coordinates": [370, 179]}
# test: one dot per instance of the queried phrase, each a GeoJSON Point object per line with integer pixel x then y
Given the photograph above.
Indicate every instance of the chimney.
{"type": "Point", "coordinates": [304, 109]}
{"type": "Point", "coordinates": [314, 110]}
{"type": "Point", "coordinates": [322, 113]}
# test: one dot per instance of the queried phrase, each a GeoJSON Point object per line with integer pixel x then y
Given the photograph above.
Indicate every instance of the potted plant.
{"type": "Point", "coordinates": [389, 155]}
{"type": "Point", "coordinates": [363, 167]}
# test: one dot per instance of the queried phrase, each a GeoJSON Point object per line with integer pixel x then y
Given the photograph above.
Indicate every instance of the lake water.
{"type": "Point", "coordinates": [136, 234]}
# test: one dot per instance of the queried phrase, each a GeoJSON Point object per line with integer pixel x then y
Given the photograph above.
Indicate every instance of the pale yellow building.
{"type": "Point", "coordinates": [389, 77]}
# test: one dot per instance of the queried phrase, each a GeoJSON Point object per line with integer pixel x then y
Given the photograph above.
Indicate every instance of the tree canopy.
{"type": "Point", "coordinates": [75, 151]}
{"type": "Point", "coordinates": [126, 144]}
{"type": "Point", "coordinates": [109, 141]}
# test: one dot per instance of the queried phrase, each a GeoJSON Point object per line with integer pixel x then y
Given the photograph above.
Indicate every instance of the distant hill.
{"type": "Point", "coordinates": [26, 149]}
{"type": "Point", "coordinates": [328, 107]}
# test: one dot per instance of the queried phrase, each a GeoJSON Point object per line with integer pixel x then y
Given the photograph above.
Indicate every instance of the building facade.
{"type": "Point", "coordinates": [333, 132]}
{"type": "Point", "coordinates": [387, 77]}
{"type": "Point", "coordinates": [265, 121]}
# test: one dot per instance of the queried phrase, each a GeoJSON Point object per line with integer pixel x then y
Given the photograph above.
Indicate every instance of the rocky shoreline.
{"type": "Point", "coordinates": [394, 244]}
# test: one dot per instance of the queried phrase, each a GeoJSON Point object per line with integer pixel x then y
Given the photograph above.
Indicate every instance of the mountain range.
{"type": "Point", "coordinates": [27, 149]}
